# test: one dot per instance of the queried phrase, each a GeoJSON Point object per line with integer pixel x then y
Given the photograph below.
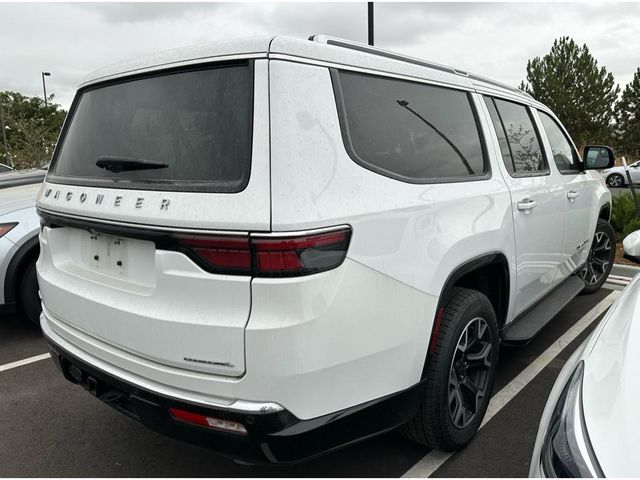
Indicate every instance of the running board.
{"type": "Point", "coordinates": [527, 325]}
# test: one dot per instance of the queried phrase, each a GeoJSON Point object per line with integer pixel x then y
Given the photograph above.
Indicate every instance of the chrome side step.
{"type": "Point", "coordinates": [529, 324]}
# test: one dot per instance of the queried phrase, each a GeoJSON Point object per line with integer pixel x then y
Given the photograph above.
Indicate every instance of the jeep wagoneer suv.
{"type": "Point", "coordinates": [274, 247]}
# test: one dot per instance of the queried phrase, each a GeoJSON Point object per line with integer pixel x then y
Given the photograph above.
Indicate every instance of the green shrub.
{"type": "Point", "coordinates": [624, 218]}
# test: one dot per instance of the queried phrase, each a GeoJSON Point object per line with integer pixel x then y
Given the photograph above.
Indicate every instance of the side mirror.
{"type": "Point", "coordinates": [598, 157]}
{"type": "Point", "coordinates": [631, 246]}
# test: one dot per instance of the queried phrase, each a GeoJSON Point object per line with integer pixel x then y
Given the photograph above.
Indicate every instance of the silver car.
{"type": "Point", "coordinates": [19, 250]}
{"type": "Point", "coordinates": [616, 176]}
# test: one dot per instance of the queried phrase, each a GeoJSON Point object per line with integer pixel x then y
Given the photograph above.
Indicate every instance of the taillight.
{"type": "Point", "coordinates": [208, 422]}
{"type": "Point", "coordinates": [269, 255]}
{"type": "Point", "coordinates": [299, 255]}
{"type": "Point", "coordinates": [223, 254]}
{"type": "Point", "coordinates": [6, 228]}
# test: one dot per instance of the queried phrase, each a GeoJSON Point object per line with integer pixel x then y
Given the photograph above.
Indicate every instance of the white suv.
{"type": "Point", "coordinates": [275, 247]}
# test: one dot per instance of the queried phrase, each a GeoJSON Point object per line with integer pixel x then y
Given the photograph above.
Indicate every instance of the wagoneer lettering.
{"type": "Point", "coordinates": [118, 200]}
{"type": "Point", "coordinates": [352, 233]}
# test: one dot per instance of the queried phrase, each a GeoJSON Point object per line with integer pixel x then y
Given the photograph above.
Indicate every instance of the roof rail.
{"type": "Point", "coordinates": [340, 42]}
{"type": "Point", "coordinates": [361, 47]}
{"type": "Point", "coordinates": [495, 83]}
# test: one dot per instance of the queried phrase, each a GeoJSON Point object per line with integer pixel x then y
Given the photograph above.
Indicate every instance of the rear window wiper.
{"type": "Point", "coordinates": [122, 164]}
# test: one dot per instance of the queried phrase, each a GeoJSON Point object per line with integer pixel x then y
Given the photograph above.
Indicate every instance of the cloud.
{"type": "Point", "coordinates": [140, 12]}
{"type": "Point", "coordinates": [492, 39]}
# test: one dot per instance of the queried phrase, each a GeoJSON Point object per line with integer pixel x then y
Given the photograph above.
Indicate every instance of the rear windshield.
{"type": "Point", "coordinates": [187, 130]}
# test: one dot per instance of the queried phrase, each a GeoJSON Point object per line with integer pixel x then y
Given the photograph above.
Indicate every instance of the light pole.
{"type": "Point", "coordinates": [44, 86]}
{"type": "Point", "coordinates": [370, 21]}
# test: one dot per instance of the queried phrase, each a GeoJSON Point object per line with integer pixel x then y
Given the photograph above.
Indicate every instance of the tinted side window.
{"type": "Point", "coordinates": [563, 152]}
{"type": "Point", "coordinates": [501, 134]}
{"type": "Point", "coordinates": [409, 131]}
{"type": "Point", "coordinates": [526, 155]}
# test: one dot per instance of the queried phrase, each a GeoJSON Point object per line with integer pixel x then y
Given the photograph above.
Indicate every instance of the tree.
{"type": "Point", "coordinates": [628, 118]}
{"type": "Point", "coordinates": [32, 128]}
{"type": "Point", "coordinates": [569, 81]}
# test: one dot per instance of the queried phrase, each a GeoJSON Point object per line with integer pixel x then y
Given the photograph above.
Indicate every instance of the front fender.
{"type": "Point", "coordinates": [603, 195]}
{"type": "Point", "coordinates": [25, 239]}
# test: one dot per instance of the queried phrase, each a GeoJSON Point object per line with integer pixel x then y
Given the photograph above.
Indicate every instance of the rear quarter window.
{"type": "Point", "coordinates": [197, 123]}
{"type": "Point", "coordinates": [409, 131]}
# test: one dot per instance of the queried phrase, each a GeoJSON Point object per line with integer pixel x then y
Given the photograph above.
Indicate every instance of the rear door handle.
{"type": "Point", "coordinates": [572, 195]}
{"type": "Point", "coordinates": [527, 205]}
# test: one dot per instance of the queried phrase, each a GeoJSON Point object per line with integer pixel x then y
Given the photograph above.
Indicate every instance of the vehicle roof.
{"type": "Point", "coordinates": [318, 48]}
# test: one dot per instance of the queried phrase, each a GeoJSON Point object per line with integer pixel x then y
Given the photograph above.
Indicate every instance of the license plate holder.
{"type": "Point", "coordinates": [106, 254]}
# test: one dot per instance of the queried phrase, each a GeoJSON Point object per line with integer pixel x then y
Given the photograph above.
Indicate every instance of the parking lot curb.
{"type": "Point", "coordinates": [624, 270]}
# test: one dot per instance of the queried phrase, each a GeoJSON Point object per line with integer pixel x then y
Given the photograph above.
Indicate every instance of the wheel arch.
{"type": "Point", "coordinates": [605, 212]}
{"type": "Point", "coordinates": [27, 251]}
{"type": "Point", "coordinates": [488, 274]}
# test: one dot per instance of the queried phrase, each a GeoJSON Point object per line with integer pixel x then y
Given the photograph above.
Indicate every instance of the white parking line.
{"type": "Point", "coordinates": [26, 361]}
{"type": "Point", "coordinates": [435, 459]}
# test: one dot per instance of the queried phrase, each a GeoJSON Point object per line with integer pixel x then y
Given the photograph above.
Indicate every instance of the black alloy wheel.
{"type": "Point", "coordinates": [470, 372]}
{"type": "Point", "coordinates": [600, 259]}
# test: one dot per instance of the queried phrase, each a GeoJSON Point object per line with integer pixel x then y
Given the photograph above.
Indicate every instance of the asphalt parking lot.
{"type": "Point", "coordinates": [53, 428]}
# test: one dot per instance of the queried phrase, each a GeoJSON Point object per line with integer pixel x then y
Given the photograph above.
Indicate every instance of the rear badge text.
{"type": "Point", "coordinates": [99, 199]}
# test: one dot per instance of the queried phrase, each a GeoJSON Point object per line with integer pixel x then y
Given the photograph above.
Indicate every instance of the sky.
{"type": "Point", "coordinates": [492, 39]}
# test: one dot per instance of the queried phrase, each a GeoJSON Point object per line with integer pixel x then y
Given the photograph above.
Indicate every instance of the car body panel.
{"type": "Point", "coordinates": [302, 351]}
{"type": "Point", "coordinates": [610, 389]}
{"type": "Point", "coordinates": [16, 178]}
{"type": "Point", "coordinates": [396, 225]}
{"type": "Point", "coordinates": [250, 47]}
{"type": "Point", "coordinates": [135, 308]}
{"type": "Point", "coordinates": [17, 198]}
{"type": "Point", "coordinates": [17, 204]}
{"type": "Point", "coordinates": [611, 386]}
{"type": "Point", "coordinates": [583, 194]}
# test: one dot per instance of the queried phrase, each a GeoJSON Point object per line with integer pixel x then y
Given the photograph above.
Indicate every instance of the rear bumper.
{"type": "Point", "coordinates": [272, 437]}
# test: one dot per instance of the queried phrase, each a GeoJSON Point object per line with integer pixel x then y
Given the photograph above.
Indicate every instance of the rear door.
{"type": "Point", "coordinates": [634, 171]}
{"type": "Point", "coordinates": [580, 201]}
{"type": "Point", "coordinates": [150, 171]}
{"type": "Point", "coordinates": [537, 201]}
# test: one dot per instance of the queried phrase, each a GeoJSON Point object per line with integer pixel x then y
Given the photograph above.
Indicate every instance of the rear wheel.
{"type": "Point", "coordinates": [615, 180]}
{"type": "Point", "coordinates": [29, 298]}
{"type": "Point", "coordinates": [601, 257]}
{"type": "Point", "coordinates": [460, 374]}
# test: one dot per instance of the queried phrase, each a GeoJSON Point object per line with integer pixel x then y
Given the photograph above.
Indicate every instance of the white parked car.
{"type": "Point", "coordinates": [19, 249]}
{"type": "Point", "coordinates": [590, 425]}
{"type": "Point", "coordinates": [616, 176]}
{"type": "Point", "coordinates": [275, 247]}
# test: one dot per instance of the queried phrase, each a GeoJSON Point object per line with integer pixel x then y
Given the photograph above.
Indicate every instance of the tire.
{"type": "Point", "coordinates": [28, 293]}
{"type": "Point", "coordinates": [601, 257]}
{"type": "Point", "coordinates": [615, 180]}
{"type": "Point", "coordinates": [437, 423]}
